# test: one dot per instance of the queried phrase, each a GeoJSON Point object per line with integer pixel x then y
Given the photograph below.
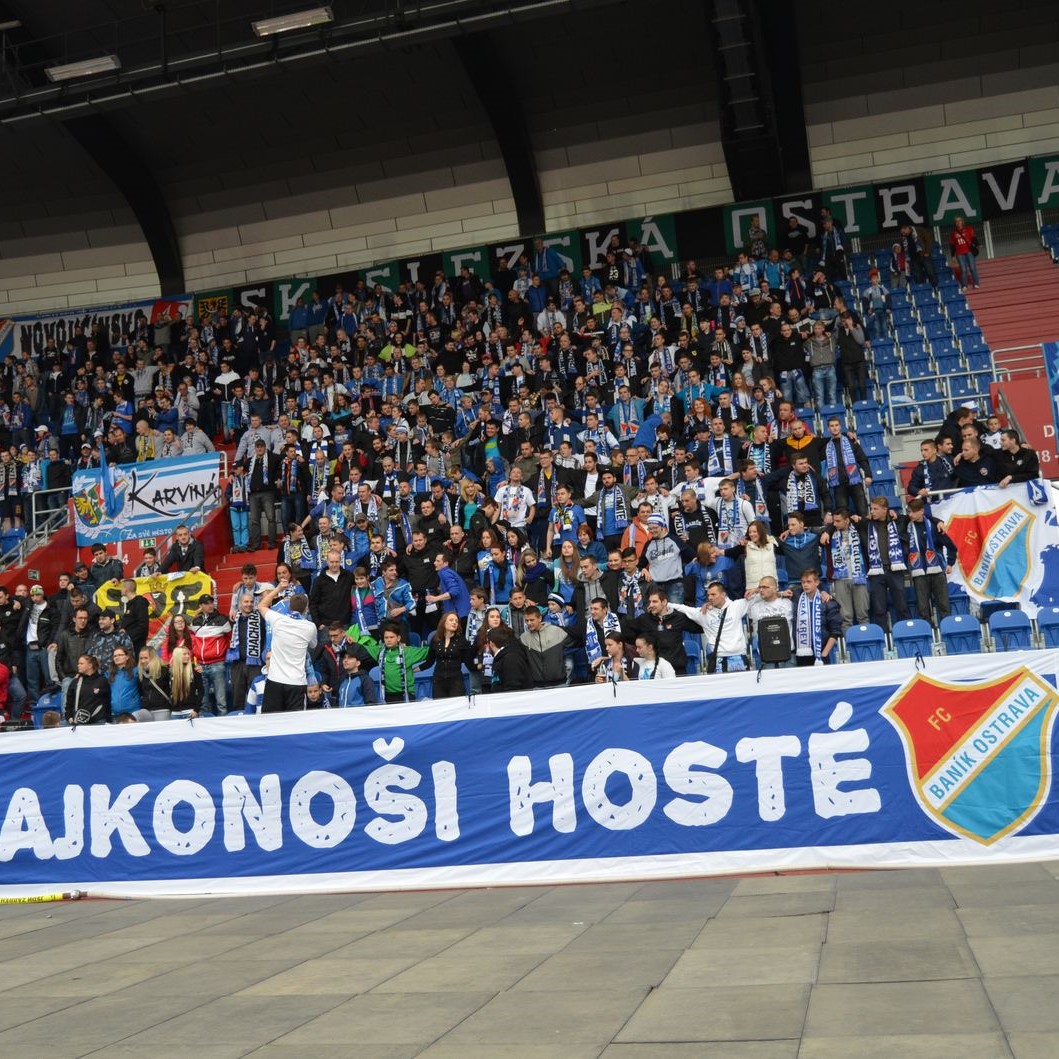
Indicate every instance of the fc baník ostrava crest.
{"type": "Point", "coordinates": [994, 549]}
{"type": "Point", "coordinates": [978, 754]}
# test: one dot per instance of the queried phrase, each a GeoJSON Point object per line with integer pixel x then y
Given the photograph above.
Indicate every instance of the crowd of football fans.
{"type": "Point", "coordinates": [518, 482]}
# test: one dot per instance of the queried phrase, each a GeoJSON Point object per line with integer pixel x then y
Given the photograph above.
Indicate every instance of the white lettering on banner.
{"type": "Point", "coordinates": [637, 769]}
{"type": "Point", "coordinates": [597, 243]}
{"type": "Point", "coordinates": [1005, 202]}
{"type": "Point", "coordinates": [847, 198]}
{"type": "Point", "coordinates": [466, 259]}
{"type": "Point", "coordinates": [263, 817]}
{"type": "Point", "coordinates": [951, 195]}
{"type": "Point", "coordinates": [384, 277]}
{"type": "Point", "coordinates": [322, 807]}
{"type": "Point", "coordinates": [510, 253]}
{"type": "Point", "coordinates": [683, 772]}
{"type": "Point", "coordinates": [343, 809]}
{"type": "Point", "coordinates": [253, 299]}
{"type": "Point", "coordinates": [899, 200]}
{"type": "Point", "coordinates": [827, 773]}
{"type": "Point", "coordinates": [769, 754]}
{"type": "Point", "coordinates": [289, 293]}
{"type": "Point", "coordinates": [735, 219]}
{"type": "Point", "coordinates": [790, 209]}
{"type": "Point", "coordinates": [524, 794]}
{"type": "Point", "coordinates": [953, 773]}
{"type": "Point", "coordinates": [446, 814]}
{"type": "Point", "coordinates": [108, 817]}
{"type": "Point", "coordinates": [1051, 183]}
{"type": "Point", "coordinates": [204, 819]}
{"type": "Point", "coordinates": [995, 545]}
{"type": "Point", "coordinates": [653, 240]}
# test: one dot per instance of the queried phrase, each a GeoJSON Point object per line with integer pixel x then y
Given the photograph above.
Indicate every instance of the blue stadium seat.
{"type": "Point", "coordinates": [1048, 626]}
{"type": "Point", "coordinates": [936, 330]}
{"type": "Point", "coordinates": [966, 326]}
{"type": "Point", "coordinates": [693, 649]}
{"type": "Point", "coordinates": [982, 380]}
{"type": "Point", "coordinates": [949, 364]}
{"type": "Point", "coordinates": [424, 683]}
{"type": "Point", "coordinates": [1010, 630]}
{"type": "Point", "coordinates": [961, 634]}
{"type": "Point", "coordinates": [874, 445]}
{"type": "Point", "coordinates": [899, 299]}
{"type": "Point", "coordinates": [880, 465]}
{"type": "Point", "coordinates": [917, 366]}
{"type": "Point", "coordinates": [903, 415]}
{"type": "Point", "coordinates": [973, 342]}
{"type": "Point", "coordinates": [914, 350]}
{"type": "Point", "coordinates": [913, 637]}
{"type": "Point", "coordinates": [833, 410]}
{"type": "Point", "coordinates": [865, 643]}
{"type": "Point", "coordinates": [927, 389]}
{"type": "Point", "coordinates": [931, 312]}
{"type": "Point", "coordinates": [932, 413]}
{"type": "Point", "coordinates": [961, 386]}
{"type": "Point", "coordinates": [952, 295]}
{"type": "Point", "coordinates": [904, 317]}
{"type": "Point", "coordinates": [979, 361]}
{"type": "Point", "coordinates": [886, 372]}
{"type": "Point", "coordinates": [959, 310]}
{"type": "Point", "coordinates": [959, 601]}
{"type": "Point", "coordinates": [883, 351]}
{"type": "Point", "coordinates": [375, 674]}
{"type": "Point", "coordinates": [908, 333]}
{"type": "Point", "coordinates": [918, 290]}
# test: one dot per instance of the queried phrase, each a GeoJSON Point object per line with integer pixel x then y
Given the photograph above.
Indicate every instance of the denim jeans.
{"type": "Point", "coordinates": [875, 324]}
{"type": "Point", "coordinates": [215, 684]}
{"type": "Point", "coordinates": [968, 269]}
{"type": "Point", "coordinates": [825, 386]}
{"type": "Point", "coordinates": [794, 387]}
{"type": "Point", "coordinates": [37, 673]}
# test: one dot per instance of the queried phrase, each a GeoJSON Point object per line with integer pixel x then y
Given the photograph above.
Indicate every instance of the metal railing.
{"type": "Point", "coordinates": [947, 399]}
{"type": "Point", "coordinates": [42, 523]}
{"type": "Point", "coordinates": [1031, 363]}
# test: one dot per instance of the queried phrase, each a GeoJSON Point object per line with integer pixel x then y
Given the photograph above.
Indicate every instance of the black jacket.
{"type": "Point", "coordinates": [329, 599]}
{"type": "Point", "coordinates": [88, 700]}
{"type": "Point", "coordinates": [135, 620]}
{"type": "Point", "coordinates": [184, 560]}
{"type": "Point", "coordinates": [511, 668]}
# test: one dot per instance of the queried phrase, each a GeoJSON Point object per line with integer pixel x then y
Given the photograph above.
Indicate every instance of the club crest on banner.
{"type": "Point", "coordinates": [994, 549]}
{"type": "Point", "coordinates": [978, 754]}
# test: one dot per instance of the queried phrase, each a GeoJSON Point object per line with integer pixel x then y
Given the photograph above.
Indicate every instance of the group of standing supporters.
{"type": "Point", "coordinates": [535, 478]}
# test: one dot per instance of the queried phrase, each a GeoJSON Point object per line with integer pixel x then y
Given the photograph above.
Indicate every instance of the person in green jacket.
{"type": "Point", "coordinates": [397, 660]}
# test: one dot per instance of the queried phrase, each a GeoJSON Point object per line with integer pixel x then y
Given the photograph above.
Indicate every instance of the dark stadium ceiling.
{"type": "Point", "coordinates": [164, 46]}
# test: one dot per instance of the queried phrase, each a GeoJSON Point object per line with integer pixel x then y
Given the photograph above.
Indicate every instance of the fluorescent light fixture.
{"type": "Point", "coordinates": [68, 71]}
{"type": "Point", "coordinates": [313, 16]}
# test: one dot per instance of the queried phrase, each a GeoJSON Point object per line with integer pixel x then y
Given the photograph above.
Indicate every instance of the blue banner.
{"type": "Point", "coordinates": [147, 499]}
{"type": "Point", "coordinates": [858, 766]}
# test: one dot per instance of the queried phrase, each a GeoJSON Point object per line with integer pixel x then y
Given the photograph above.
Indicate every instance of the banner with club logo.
{"type": "Point", "coordinates": [855, 766]}
{"type": "Point", "coordinates": [179, 592]}
{"type": "Point", "coordinates": [31, 333]}
{"type": "Point", "coordinates": [1005, 542]}
{"type": "Point", "coordinates": [151, 499]}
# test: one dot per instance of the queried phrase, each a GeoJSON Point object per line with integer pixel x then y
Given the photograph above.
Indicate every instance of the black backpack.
{"type": "Point", "coordinates": [774, 640]}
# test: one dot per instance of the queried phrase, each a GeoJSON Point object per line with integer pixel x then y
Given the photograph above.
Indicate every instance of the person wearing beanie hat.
{"type": "Point", "coordinates": [664, 564]}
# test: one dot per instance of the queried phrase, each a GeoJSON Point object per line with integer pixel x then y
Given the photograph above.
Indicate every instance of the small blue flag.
{"type": "Point", "coordinates": [111, 504]}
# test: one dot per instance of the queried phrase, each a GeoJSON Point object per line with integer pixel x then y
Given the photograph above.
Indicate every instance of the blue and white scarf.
{"type": "Point", "coordinates": [801, 492]}
{"type": "Point", "coordinates": [593, 648]}
{"type": "Point", "coordinates": [755, 494]}
{"type": "Point", "coordinates": [925, 560]}
{"type": "Point", "coordinates": [614, 500]}
{"type": "Point", "coordinates": [847, 557]}
{"type": "Point", "coordinates": [719, 458]}
{"type": "Point", "coordinates": [731, 530]}
{"type": "Point", "coordinates": [894, 550]}
{"type": "Point", "coordinates": [809, 634]}
{"type": "Point", "coordinates": [849, 461]}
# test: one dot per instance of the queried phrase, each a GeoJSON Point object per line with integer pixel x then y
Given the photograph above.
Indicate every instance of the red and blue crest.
{"type": "Point", "coordinates": [978, 754]}
{"type": "Point", "coordinates": [994, 549]}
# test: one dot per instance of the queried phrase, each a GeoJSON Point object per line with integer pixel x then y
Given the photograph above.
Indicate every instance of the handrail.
{"type": "Point", "coordinates": [44, 525]}
{"type": "Point", "coordinates": [946, 397]}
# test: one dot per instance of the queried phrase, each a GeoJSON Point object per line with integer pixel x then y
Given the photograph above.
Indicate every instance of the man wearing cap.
{"type": "Point", "coordinates": [102, 645]}
{"type": "Point", "coordinates": [662, 556]}
{"type": "Point", "coordinates": [103, 568]}
{"type": "Point", "coordinates": [211, 635]}
{"type": "Point", "coordinates": [38, 627]}
{"type": "Point", "coordinates": [88, 460]}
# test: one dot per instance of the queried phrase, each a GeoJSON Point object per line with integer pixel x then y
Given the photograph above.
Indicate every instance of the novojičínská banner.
{"type": "Point", "coordinates": [156, 496]}
{"type": "Point", "coordinates": [1005, 540]}
{"type": "Point", "coordinates": [31, 333]}
{"type": "Point", "coordinates": [870, 765]}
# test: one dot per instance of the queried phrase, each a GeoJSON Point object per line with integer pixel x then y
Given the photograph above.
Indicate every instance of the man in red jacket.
{"type": "Point", "coordinates": [210, 635]}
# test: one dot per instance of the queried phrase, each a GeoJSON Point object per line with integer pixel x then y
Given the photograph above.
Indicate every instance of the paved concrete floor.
{"type": "Point", "coordinates": [961, 961]}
